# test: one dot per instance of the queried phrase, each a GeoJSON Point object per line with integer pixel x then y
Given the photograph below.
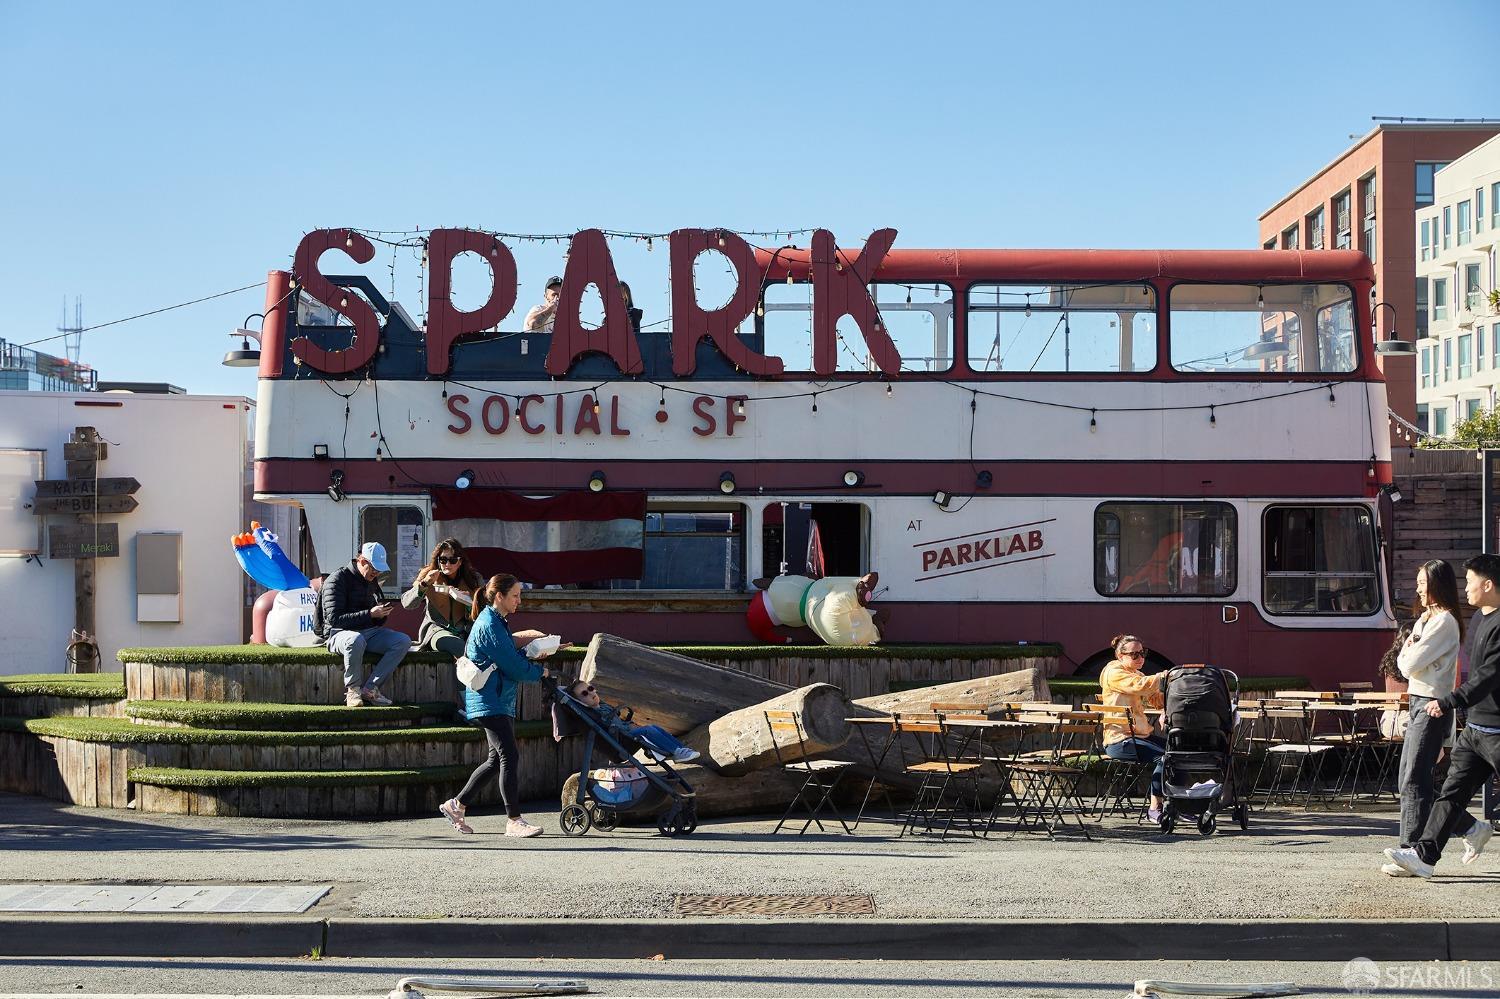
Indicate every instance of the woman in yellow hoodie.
{"type": "Point", "coordinates": [1122, 684]}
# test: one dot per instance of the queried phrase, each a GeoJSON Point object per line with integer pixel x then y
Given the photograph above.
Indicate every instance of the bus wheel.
{"type": "Point", "coordinates": [1094, 664]}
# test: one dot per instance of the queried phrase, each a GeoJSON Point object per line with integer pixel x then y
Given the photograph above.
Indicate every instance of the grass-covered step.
{"type": "Point", "coordinates": [285, 717]}
{"type": "Point", "coordinates": [41, 695]}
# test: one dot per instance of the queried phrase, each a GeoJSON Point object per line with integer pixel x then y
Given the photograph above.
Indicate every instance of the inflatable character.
{"type": "Point", "coordinates": [836, 608]}
{"type": "Point", "coordinates": [289, 623]}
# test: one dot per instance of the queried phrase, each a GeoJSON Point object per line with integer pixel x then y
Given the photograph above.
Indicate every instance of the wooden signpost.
{"type": "Point", "coordinates": [82, 496]}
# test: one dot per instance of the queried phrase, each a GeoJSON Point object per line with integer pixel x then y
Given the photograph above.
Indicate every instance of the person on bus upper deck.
{"type": "Point", "coordinates": [541, 317]}
{"type": "Point", "coordinates": [1123, 684]}
{"type": "Point", "coordinates": [630, 309]}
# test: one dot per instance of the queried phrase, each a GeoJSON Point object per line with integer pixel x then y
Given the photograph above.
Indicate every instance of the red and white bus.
{"type": "Point", "coordinates": [1189, 446]}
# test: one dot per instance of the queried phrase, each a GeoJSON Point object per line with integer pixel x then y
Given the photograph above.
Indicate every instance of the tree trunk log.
{"type": "Point", "coordinates": [764, 791]}
{"type": "Point", "coordinates": [740, 741]}
{"type": "Point", "coordinates": [669, 690]}
{"type": "Point", "coordinates": [1019, 685]}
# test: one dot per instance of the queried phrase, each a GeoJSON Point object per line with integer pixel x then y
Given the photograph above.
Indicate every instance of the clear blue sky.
{"type": "Point", "coordinates": [158, 153]}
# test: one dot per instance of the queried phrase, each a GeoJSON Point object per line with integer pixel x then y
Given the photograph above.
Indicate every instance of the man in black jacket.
{"type": "Point", "coordinates": [350, 609]}
{"type": "Point", "coordinates": [1476, 753]}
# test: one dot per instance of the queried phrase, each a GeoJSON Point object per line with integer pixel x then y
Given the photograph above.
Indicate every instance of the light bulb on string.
{"type": "Point", "coordinates": [1093, 421]}
{"type": "Point", "coordinates": [815, 402]}
{"type": "Point", "coordinates": [908, 294]}
{"type": "Point", "coordinates": [1028, 306]}
{"type": "Point", "coordinates": [888, 390]}
{"type": "Point", "coordinates": [1213, 419]}
{"type": "Point", "coordinates": [739, 407]}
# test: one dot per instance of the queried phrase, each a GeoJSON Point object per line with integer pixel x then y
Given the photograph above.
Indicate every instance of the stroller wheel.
{"type": "Point", "coordinates": [605, 820]}
{"type": "Point", "coordinates": [1207, 823]}
{"type": "Point", "coordinates": [666, 823]}
{"type": "Point", "coordinates": [687, 821]}
{"type": "Point", "coordinates": [1168, 822]}
{"type": "Point", "coordinates": [574, 820]}
{"type": "Point", "coordinates": [1242, 816]}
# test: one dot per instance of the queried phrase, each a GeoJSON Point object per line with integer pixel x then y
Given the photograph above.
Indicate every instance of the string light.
{"type": "Point", "coordinates": [887, 390]}
{"type": "Point", "coordinates": [1213, 419]}
{"type": "Point", "coordinates": [1093, 422]}
{"type": "Point", "coordinates": [815, 402]}
{"type": "Point", "coordinates": [1028, 306]}
{"type": "Point", "coordinates": [1331, 397]}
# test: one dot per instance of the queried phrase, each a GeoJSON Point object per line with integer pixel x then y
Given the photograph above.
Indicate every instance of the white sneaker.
{"type": "Point", "coordinates": [522, 829]}
{"type": "Point", "coordinates": [454, 813]}
{"type": "Point", "coordinates": [1476, 839]}
{"type": "Point", "coordinates": [685, 755]}
{"type": "Point", "coordinates": [352, 698]}
{"type": "Point", "coordinates": [1396, 871]}
{"type": "Point", "coordinates": [1407, 859]}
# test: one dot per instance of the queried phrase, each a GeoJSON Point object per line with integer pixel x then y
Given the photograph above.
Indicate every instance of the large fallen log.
{"type": "Point", "coordinates": [666, 689]}
{"type": "Point", "coordinates": [1019, 685]}
{"type": "Point", "coordinates": [764, 791]}
{"type": "Point", "coordinates": [741, 741]}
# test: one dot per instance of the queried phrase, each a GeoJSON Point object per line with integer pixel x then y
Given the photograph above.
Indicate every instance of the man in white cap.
{"type": "Point", "coordinates": [541, 317]}
{"type": "Point", "coordinates": [351, 608]}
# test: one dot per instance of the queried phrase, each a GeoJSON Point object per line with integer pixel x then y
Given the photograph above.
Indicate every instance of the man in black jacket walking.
{"type": "Point", "coordinates": [351, 607]}
{"type": "Point", "coordinates": [1476, 754]}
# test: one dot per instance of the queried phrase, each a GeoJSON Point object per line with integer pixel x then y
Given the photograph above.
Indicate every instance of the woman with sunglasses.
{"type": "Point", "coordinates": [1124, 684]}
{"type": "Point", "coordinates": [450, 586]}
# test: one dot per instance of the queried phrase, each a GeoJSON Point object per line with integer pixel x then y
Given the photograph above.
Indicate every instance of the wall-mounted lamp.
{"type": "Point", "coordinates": [1392, 345]}
{"type": "Point", "coordinates": [726, 483]}
{"type": "Point", "coordinates": [246, 356]}
{"type": "Point", "coordinates": [320, 452]}
{"type": "Point", "coordinates": [336, 485]}
{"type": "Point", "coordinates": [465, 479]}
{"type": "Point", "coordinates": [984, 479]}
{"type": "Point", "coordinates": [853, 478]}
{"type": "Point", "coordinates": [596, 482]}
{"type": "Point", "coordinates": [942, 498]}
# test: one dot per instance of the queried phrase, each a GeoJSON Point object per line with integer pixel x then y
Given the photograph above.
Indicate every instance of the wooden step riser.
{"type": "Point", "coordinates": [46, 706]}
{"type": "Point", "coordinates": [279, 683]}
{"type": "Point", "coordinates": [89, 773]}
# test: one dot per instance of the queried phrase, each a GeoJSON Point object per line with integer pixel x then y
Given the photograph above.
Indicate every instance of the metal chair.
{"type": "Point", "coordinates": [948, 786]}
{"type": "Point", "coordinates": [820, 777]}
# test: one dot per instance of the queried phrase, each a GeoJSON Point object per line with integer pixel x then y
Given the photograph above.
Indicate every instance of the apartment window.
{"type": "Point", "coordinates": [1421, 307]}
{"type": "Point", "coordinates": [1434, 237]}
{"type": "Point", "coordinates": [1427, 367]}
{"type": "Point", "coordinates": [1439, 299]}
{"type": "Point", "coordinates": [1464, 215]}
{"type": "Point", "coordinates": [1165, 549]}
{"type": "Point", "coordinates": [1447, 226]}
{"type": "Point", "coordinates": [1424, 421]}
{"type": "Point", "coordinates": [1341, 222]}
{"type": "Point", "coordinates": [1479, 348]}
{"type": "Point", "coordinates": [1472, 295]}
{"type": "Point", "coordinates": [1448, 359]}
{"type": "Point", "coordinates": [1440, 421]}
{"type": "Point", "coordinates": [1269, 244]}
{"type": "Point", "coordinates": [1320, 560]}
{"type": "Point", "coordinates": [1465, 355]}
{"type": "Point", "coordinates": [1495, 343]}
{"type": "Point", "coordinates": [1495, 205]}
{"type": "Point", "coordinates": [1478, 208]}
{"type": "Point", "coordinates": [1315, 230]}
{"type": "Point", "coordinates": [1367, 196]}
{"type": "Point", "coordinates": [1424, 182]}
{"type": "Point", "coordinates": [1423, 241]}
{"type": "Point", "coordinates": [1471, 408]}
{"type": "Point", "coordinates": [1289, 239]}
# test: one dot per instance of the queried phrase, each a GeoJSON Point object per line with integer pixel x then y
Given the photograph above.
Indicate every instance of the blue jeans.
{"type": "Point", "coordinates": [657, 738]}
{"type": "Point", "coordinates": [1146, 751]}
{"type": "Point", "coordinates": [387, 643]}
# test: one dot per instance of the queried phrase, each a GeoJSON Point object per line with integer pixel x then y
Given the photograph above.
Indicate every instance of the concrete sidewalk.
{"type": "Point", "coordinates": [1289, 868]}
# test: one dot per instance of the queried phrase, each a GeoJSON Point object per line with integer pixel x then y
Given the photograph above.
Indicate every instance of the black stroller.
{"type": "Point", "coordinates": [600, 802]}
{"type": "Point", "coordinates": [1198, 779]}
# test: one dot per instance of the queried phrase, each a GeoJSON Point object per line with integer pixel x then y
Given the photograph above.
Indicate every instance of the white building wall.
{"type": "Point", "coordinates": [189, 453]}
{"type": "Point", "coordinates": [1464, 324]}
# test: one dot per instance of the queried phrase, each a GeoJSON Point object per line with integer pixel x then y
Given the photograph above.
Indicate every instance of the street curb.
{"type": "Point", "coordinates": [32, 934]}
{"type": "Point", "coordinates": [37, 934]}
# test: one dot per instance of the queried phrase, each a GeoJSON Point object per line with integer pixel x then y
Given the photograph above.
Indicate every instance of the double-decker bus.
{"type": "Point", "coordinates": [1189, 446]}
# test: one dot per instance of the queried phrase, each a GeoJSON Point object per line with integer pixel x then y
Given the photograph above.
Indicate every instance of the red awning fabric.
{"type": "Point", "coordinates": [569, 538]}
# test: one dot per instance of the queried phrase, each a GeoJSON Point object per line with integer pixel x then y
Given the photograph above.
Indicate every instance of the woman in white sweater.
{"type": "Point", "coordinates": [1429, 661]}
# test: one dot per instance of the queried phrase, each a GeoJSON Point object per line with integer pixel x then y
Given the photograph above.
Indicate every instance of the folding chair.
{"type": "Point", "coordinates": [1049, 778]}
{"type": "Point", "coordinates": [1297, 755]}
{"type": "Point", "coordinates": [948, 787]}
{"type": "Point", "coordinates": [1122, 789]}
{"type": "Point", "coordinates": [820, 777]}
{"type": "Point", "coordinates": [1362, 686]}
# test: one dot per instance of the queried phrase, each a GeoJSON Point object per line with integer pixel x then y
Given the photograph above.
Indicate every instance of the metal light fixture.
{"type": "Point", "coordinates": [320, 452]}
{"type": "Point", "coordinates": [942, 498]}
{"type": "Point", "coordinates": [1264, 350]}
{"type": "Point", "coordinates": [596, 482]}
{"type": "Point", "coordinates": [1392, 345]}
{"type": "Point", "coordinates": [246, 356]}
{"type": "Point", "coordinates": [336, 485]}
{"type": "Point", "coordinates": [853, 478]}
{"type": "Point", "coordinates": [726, 483]}
{"type": "Point", "coordinates": [465, 479]}
{"type": "Point", "coordinates": [984, 479]}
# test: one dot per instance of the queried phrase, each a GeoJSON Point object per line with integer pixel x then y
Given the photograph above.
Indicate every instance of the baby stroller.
{"type": "Point", "coordinates": [1197, 773]}
{"type": "Point", "coordinates": [619, 785]}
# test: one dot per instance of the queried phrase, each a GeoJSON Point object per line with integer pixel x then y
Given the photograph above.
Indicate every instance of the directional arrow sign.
{"type": "Point", "coordinates": [84, 504]}
{"type": "Point", "coordinates": [51, 488]}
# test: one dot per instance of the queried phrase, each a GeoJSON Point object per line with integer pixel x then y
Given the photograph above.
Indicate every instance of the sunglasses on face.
{"type": "Point", "coordinates": [585, 690]}
{"type": "Point", "coordinates": [1139, 654]}
{"type": "Point", "coordinates": [449, 559]}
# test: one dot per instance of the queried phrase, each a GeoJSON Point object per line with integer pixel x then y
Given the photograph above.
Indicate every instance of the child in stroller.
{"type": "Point", "coordinates": [1198, 766]}
{"type": "Point", "coordinates": [657, 741]}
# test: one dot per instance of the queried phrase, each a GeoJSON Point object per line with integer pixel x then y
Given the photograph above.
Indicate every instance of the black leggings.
{"type": "Point", "coordinates": [500, 732]}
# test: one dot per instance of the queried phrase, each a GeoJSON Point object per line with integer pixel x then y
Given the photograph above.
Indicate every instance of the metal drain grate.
{"type": "Point", "coordinates": [775, 905]}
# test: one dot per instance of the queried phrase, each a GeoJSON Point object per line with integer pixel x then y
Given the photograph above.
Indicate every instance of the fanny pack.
{"type": "Point", "coordinates": [472, 676]}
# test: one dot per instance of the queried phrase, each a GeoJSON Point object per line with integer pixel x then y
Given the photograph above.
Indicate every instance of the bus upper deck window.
{"type": "Point", "coordinates": [1270, 329]}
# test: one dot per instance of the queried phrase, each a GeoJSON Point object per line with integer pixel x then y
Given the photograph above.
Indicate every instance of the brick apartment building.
{"type": "Point", "coordinates": [1366, 199]}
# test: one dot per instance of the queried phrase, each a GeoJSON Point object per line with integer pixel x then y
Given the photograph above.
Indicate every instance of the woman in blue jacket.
{"type": "Point", "coordinates": [493, 706]}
